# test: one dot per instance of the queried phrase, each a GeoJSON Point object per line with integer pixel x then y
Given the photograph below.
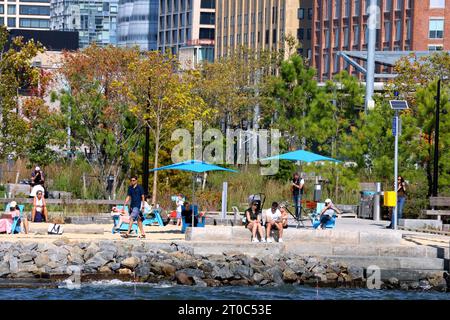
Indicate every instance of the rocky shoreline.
{"type": "Point", "coordinates": [158, 263]}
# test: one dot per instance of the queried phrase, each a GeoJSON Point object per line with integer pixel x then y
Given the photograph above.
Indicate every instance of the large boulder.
{"type": "Point", "coordinates": [96, 261]}
{"type": "Point", "coordinates": [130, 262]}
{"type": "Point", "coordinates": [91, 250]}
{"type": "Point", "coordinates": [356, 272]}
{"type": "Point", "coordinates": [4, 269]}
{"type": "Point", "coordinates": [41, 260]}
{"type": "Point", "coordinates": [183, 278]}
{"type": "Point", "coordinates": [289, 275]}
{"type": "Point", "coordinates": [221, 273]}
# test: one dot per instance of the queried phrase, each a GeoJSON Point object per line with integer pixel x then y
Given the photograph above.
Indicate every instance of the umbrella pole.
{"type": "Point", "coordinates": [193, 198]}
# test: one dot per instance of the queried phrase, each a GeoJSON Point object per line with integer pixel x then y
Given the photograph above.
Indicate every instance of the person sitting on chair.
{"type": "Point", "coordinates": [253, 222]}
{"type": "Point", "coordinates": [273, 219]}
{"type": "Point", "coordinates": [39, 211]}
{"type": "Point", "coordinates": [186, 212]}
{"type": "Point", "coordinates": [6, 219]}
{"type": "Point", "coordinates": [327, 213]}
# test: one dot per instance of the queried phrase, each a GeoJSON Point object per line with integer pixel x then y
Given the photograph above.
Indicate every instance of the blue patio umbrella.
{"type": "Point", "coordinates": [302, 155]}
{"type": "Point", "coordinates": [194, 166]}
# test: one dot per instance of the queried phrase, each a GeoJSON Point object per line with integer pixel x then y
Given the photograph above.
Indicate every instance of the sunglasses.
{"type": "Point", "coordinates": [133, 180]}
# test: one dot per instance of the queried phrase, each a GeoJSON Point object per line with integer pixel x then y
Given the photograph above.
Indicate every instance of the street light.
{"type": "Point", "coordinates": [396, 105]}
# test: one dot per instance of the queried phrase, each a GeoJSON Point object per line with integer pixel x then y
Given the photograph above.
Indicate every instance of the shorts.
{"type": "Point", "coordinates": [136, 214]}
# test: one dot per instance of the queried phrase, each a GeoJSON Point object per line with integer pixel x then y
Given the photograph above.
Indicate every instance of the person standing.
{"type": "Point", "coordinates": [401, 199]}
{"type": "Point", "coordinates": [297, 193]}
{"type": "Point", "coordinates": [136, 195]}
{"type": "Point", "coordinates": [179, 204]}
{"type": "Point", "coordinates": [37, 177]}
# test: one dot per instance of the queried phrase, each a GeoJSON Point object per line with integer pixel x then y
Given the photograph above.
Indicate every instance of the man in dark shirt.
{"type": "Point", "coordinates": [136, 195]}
{"type": "Point", "coordinates": [186, 212]}
{"type": "Point", "coordinates": [297, 192]}
{"type": "Point", "coordinates": [37, 177]}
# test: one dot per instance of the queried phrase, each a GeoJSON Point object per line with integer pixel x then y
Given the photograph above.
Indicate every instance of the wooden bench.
{"type": "Point", "coordinates": [439, 202]}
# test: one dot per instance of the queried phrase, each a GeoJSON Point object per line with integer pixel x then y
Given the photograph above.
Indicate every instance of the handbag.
{"type": "Point", "coordinates": [55, 229]}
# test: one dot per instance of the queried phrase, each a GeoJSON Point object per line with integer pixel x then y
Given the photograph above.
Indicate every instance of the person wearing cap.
{"type": "Point", "coordinates": [327, 213]}
{"type": "Point", "coordinates": [7, 219]}
{"type": "Point", "coordinates": [37, 177]}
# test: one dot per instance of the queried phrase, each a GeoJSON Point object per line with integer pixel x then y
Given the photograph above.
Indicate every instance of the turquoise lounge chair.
{"type": "Point", "coordinates": [315, 218]}
{"type": "Point", "coordinates": [153, 217]}
{"type": "Point", "coordinates": [201, 222]}
{"type": "Point", "coordinates": [15, 228]}
{"type": "Point", "coordinates": [124, 225]}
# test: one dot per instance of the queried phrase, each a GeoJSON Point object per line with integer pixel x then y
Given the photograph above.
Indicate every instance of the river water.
{"type": "Point", "coordinates": [115, 290]}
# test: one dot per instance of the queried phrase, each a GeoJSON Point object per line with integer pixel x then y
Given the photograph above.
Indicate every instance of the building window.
{"type": "Point", "coordinates": [12, 22]}
{"type": "Point", "coordinates": [356, 34]}
{"type": "Point", "coordinates": [11, 9]}
{"type": "Point", "coordinates": [357, 8]}
{"type": "Point", "coordinates": [310, 13]}
{"type": "Point", "coordinates": [206, 33]}
{"type": "Point", "coordinates": [34, 10]}
{"type": "Point", "coordinates": [207, 18]}
{"type": "Point", "coordinates": [387, 5]}
{"type": "Point", "coordinates": [387, 31]}
{"type": "Point", "coordinates": [398, 30]}
{"type": "Point", "coordinates": [436, 29]}
{"type": "Point", "coordinates": [436, 47]}
{"type": "Point", "coordinates": [2, 21]}
{"type": "Point", "coordinates": [300, 34]}
{"type": "Point", "coordinates": [301, 13]}
{"type": "Point", "coordinates": [2, 8]}
{"type": "Point", "coordinates": [437, 3]}
{"type": "Point", "coordinates": [347, 7]}
{"type": "Point", "coordinates": [345, 36]}
{"type": "Point", "coordinates": [42, 1]}
{"type": "Point", "coordinates": [400, 4]}
{"type": "Point", "coordinates": [206, 4]}
{"type": "Point", "coordinates": [308, 34]}
{"type": "Point", "coordinates": [337, 9]}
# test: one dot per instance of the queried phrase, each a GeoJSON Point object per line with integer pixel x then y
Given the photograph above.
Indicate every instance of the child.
{"type": "Point", "coordinates": [123, 216]}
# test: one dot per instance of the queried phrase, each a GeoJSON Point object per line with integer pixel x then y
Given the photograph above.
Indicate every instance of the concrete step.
{"type": "Point", "coordinates": [239, 233]}
{"type": "Point", "coordinates": [392, 263]}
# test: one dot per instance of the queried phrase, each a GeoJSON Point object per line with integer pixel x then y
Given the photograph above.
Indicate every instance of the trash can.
{"type": "Point", "coordinates": [317, 192]}
{"type": "Point", "coordinates": [366, 203]}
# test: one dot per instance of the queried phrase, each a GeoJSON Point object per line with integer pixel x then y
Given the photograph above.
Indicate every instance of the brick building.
{"type": "Point", "coordinates": [341, 25]}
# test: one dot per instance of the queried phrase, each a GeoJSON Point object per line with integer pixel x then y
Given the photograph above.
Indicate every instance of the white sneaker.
{"type": "Point", "coordinates": [280, 240]}
{"type": "Point", "coordinates": [263, 240]}
{"type": "Point", "coordinates": [269, 240]}
{"type": "Point", "coordinates": [255, 240]}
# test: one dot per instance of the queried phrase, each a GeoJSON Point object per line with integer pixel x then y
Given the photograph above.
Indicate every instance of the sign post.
{"type": "Point", "coordinates": [396, 105]}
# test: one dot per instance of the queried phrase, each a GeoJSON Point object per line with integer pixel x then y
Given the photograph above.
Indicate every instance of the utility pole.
{"type": "Point", "coordinates": [436, 142]}
{"type": "Point", "coordinates": [370, 74]}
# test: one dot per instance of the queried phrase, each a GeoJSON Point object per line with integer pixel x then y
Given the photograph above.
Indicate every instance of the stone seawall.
{"type": "Point", "coordinates": [176, 263]}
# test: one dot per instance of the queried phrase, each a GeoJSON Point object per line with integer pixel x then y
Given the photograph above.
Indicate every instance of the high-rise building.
{"type": "Point", "coordinates": [25, 14]}
{"type": "Point", "coordinates": [95, 20]}
{"type": "Point", "coordinates": [402, 25]}
{"type": "Point", "coordinates": [187, 29]}
{"type": "Point", "coordinates": [138, 24]}
{"type": "Point", "coordinates": [256, 24]}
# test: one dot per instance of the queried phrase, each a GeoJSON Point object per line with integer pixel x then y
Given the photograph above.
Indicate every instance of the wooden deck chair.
{"type": "Point", "coordinates": [15, 228]}
{"type": "Point", "coordinates": [124, 225]}
{"type": "Point", "coordinates": [153, 217]}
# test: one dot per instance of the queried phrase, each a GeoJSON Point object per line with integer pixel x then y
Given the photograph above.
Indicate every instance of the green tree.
{"type": "Point", "coordinates": [16, 73]}
{"type": "Point", "coordinates": [98, 112]}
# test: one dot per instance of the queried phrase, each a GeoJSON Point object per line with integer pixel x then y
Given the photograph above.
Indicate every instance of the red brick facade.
{"type": "Point", "coordinates": [340, 25]}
